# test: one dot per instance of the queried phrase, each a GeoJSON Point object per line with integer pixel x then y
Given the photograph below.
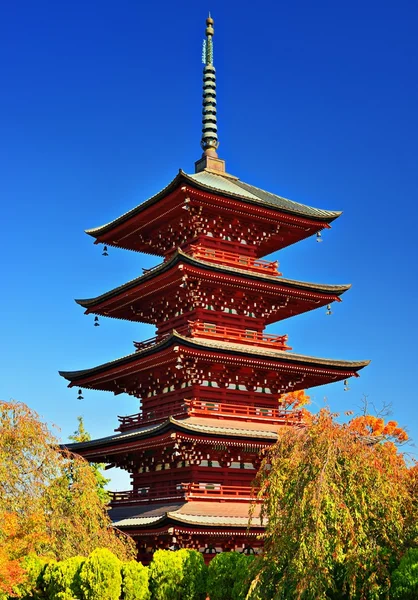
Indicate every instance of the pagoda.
{"type": "Point", "coordinates": [210, 382]}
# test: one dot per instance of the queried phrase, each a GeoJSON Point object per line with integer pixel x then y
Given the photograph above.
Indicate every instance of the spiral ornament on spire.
{"type": "Point", "coordinates": [209, 140]}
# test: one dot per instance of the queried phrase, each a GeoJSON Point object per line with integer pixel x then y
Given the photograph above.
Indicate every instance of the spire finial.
{"type": "Point", "coordinates": [209, 142]}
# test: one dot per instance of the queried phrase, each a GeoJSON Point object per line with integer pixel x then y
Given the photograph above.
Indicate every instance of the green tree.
{"type": "Point", "coordinates": [228, 576]}
{"type": "Point", "coordinates": [179, 575]}
{"type": "Point", "coordinates": [100, 576]}
{"type": "Point", "coordinates": [135, 581]}
{"type": "Point", "coordinates": [61, 580]}
{"type": "Point", "coordinates": [82, 435]}
{"type": "Point", "coordinates": [339, 511]}
{"type": "Point", "coordinates": [405, 577]}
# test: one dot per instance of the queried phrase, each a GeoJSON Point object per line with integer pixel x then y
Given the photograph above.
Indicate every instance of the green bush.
{"type": "Point", "coordinates": [135, 581]}
{"type": "Point", "coordinates": [195, 576]}
{"type": "Point", "coordinates": [62, 579]}
{"type": "Point", "coordinates": [179, 575]}
{"type": "Point", "coordinates": [100, 576]}
{"type": "Point", "coordinates": [244, 574]}
{"type": "Point", "coordinates": [228, 576]}
{"type": "Point", "coordinates": [33, 586]}
{"type": "Point", "coordinates": [405, 577]}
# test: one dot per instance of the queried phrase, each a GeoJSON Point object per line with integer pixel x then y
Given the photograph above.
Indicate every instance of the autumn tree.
{"type": "Point", "coordinates": [48, 497]}
{"type": "Point", "coordinates": [338, 511]}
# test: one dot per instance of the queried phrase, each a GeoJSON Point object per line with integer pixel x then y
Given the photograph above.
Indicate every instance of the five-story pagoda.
{"type": "Point", "coordinates": [210, 382]}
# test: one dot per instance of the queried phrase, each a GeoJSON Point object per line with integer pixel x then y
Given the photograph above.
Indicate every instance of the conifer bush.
{"type": "Point", "coordinates": [135, 581]}
{"type": "Point", "coordinates": [61, 580]}
{"type": "Point", "coordinates": [228, 576]}
{"type": "Point", "coordinates": [179, 575]}
{"type": "Point", "coordinates": [34, 568]}
{"type": "Point", "coordinates": [100, 576]}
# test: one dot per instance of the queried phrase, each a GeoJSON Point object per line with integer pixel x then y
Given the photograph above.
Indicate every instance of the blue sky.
{"type": "Point", "coordinates": [100, 107]}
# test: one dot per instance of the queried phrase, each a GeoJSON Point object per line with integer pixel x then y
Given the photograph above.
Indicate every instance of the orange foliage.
{"type": "Point", "coordinates": [368, 425]}
{"type": "Point", "coordinates": [293, 400]}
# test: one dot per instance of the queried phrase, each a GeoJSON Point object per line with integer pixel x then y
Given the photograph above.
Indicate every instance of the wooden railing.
{"type": "Point", "coordinates": [233, 334]}
{"type": "Point", "coordinates": [209, 408]}
{"type": "Point", "coordinates": [242, 412]}
{"type": "Point", "coordinates": [154, 416]}
{"type": "Point", "coordinates": [238, 261]}
{"type": "Point", "coordinates": [186, 491]}
{"type": "Point", "coordinates": [230, 334]}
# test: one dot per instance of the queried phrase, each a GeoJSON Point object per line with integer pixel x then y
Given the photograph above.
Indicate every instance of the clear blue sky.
{"type": "Point", "coordinates": [99, 108]}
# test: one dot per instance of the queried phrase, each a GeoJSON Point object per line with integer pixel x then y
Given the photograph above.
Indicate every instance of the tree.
{"type": "Point", "coordinates": [82, 435]}
{"type": "Point", "coordinates": [100, 576]}
{"type": "Point", "coordinates": [48, 497]}
{"type": "Point", "coordinates": [135, 581]}
{"type": "Point", "coordinates": [339, 510]}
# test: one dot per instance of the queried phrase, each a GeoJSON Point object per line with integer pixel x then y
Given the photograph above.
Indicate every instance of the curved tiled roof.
{"type": "Point", "coordinates": [231, 514]}
{"type": "Point", "coordinates": [225, 427]}
{"type": "Point", "coordinates": [181, 256]}
{"type": "Point", "coordinates": [228, 186]}
{"type": "Point", "coordinates": [225, 347]}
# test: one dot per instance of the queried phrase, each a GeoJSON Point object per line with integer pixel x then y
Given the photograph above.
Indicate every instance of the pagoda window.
{"type": "Point", "coordinates": [209, 328]}
{"type": "Point", "coordinates": [209, 307]}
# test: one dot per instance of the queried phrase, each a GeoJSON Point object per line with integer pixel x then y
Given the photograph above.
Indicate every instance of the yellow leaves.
{"type": "Point", "coordinates": [349, 501]}
{"type": "Point", "coordinates": [49, 502]}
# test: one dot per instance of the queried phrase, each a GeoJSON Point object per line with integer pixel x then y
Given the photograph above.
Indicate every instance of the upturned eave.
{"type": "Point", "coordinates": [228, 187]}
{"type": "Point", "coordinates": [180, 256]}
{"type": "Point", "coordinates": [221, 347]}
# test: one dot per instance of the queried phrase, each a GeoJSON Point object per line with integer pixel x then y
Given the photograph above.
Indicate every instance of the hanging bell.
{"type": "Point", "coordinates": [105, 252]}
{"type": "Point", "coordinates": [80, 395]}
{"type": "Point", "coordinates": [96, 321]}
{"type": "Point", "coordinates": [346, 386]}
{"type": "Point", "coordinates": [319, 236]}
{"type": "Point", "coordinates": [329, 311]}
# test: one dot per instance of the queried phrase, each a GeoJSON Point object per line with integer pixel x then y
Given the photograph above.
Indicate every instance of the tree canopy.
{"type": "Point", "coordinates": [49, 503]}
{"type": "Point", "coordinates": [339, 509]}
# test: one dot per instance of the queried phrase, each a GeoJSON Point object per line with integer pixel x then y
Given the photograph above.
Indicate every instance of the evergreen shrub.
{"type": "Point", "coordinates": [179, 575]}
{"type": "Point", "coordinates": [100, 576]}
{"type": "Point", "coordinates": [229, 576]}
{"type": "Point", "coordinates": [135, 581]}
{"type": "Point", "coordinates": [61, 580]}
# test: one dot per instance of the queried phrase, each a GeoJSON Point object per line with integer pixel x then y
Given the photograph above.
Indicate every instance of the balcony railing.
{"type": "Point", "coordinates": [208, 408]}
{"type": "Point", "coordinates": [186, 491]}
{"type": "Point", "coordinates": [233, 334]}
{"type": "Point", "coordinates": [154, 416]}
{"type": "Point", "coordinates": [238, 261]}
{"type": "Point", "coordinates": [242, 412]}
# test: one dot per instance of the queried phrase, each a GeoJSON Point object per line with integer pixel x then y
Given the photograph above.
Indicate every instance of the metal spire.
{"type": "Point", "coordinates": [209, 141]}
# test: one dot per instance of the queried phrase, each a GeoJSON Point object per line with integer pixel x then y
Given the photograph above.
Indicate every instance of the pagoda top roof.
{"type": "Point", "coordinates": [223, 346]}
{"type": "Point", "coordinates": [228, 186]}
{"type": "Point", "coordinates": [180, 256]}
{"type": "Point", "coordinates": [232, 514]}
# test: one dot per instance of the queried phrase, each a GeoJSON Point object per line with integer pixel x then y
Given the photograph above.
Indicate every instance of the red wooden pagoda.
{"type": "Point", "coordinates": [210, 382]}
